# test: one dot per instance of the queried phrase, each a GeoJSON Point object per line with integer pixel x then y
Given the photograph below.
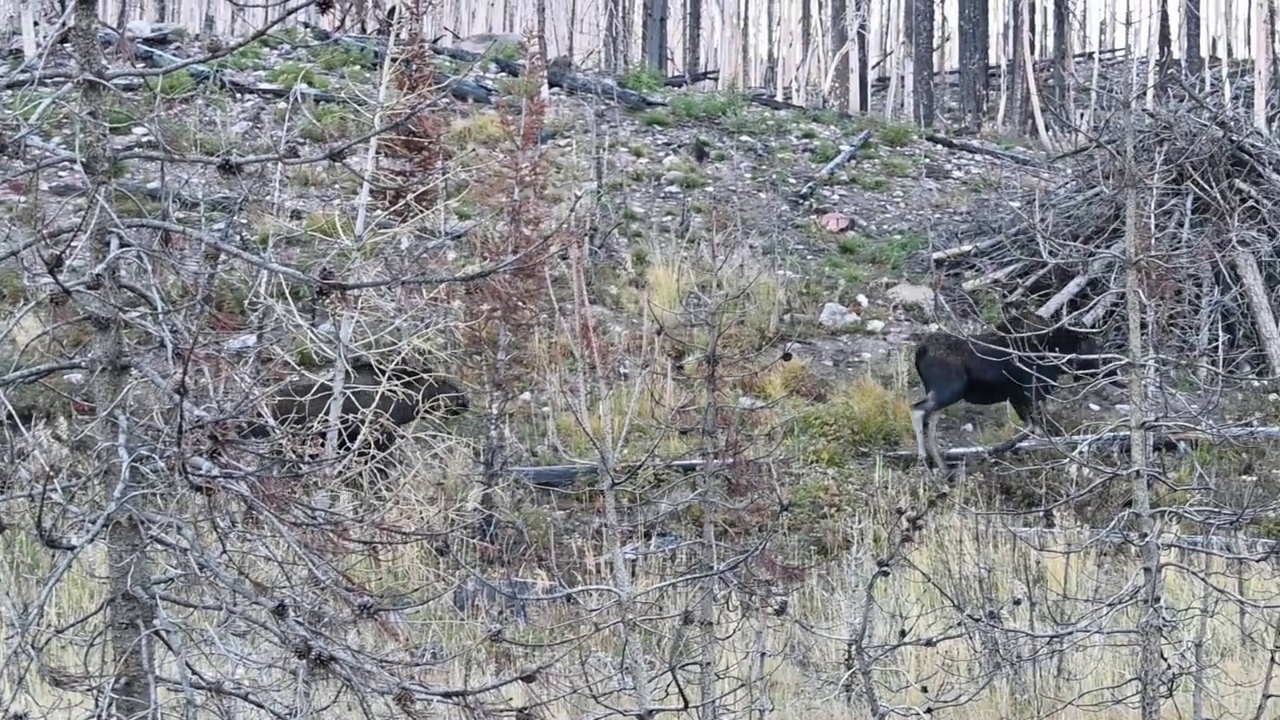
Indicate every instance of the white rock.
{"type": "Point", "coordinates": [242, 342]}
{"type": "Point", "coordinates": [137, 29]}
{"type": "Point", "coordinates": [967, 427]}
{"type": "Point", "coordinates": [863, 302]}
{"type": "Point", "coordinates": [835, 315]}
{"type": "Point", "coordinates": [874, 326]}
{"type": "Point", "coordinates": [525, 397]}
{"type": "Point", "coordinates": [1095, 407]}
{"type": "Point", "coordinates": [749, 402]}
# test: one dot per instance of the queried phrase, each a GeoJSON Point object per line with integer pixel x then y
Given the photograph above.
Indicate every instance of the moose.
{"type": "Point", "coordinates": [1014, 363]}
{"type": "Point", "coordinates": [372, 397]}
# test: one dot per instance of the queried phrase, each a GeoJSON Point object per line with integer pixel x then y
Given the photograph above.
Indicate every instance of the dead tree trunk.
{"type": "Point", "coordinates": [130, 611]}
{"type": "Point", "coordinates": [614, 47]}
{"type": "Point", "coordinates": [1150, 661]}
{"type": "Point", "coordinates": [1061, 60]}
{"type": "Point", "coordinates": [692, 36]}
{"type": "Point", "coordinates": [922, 48]}
{"type": "Point", "coordinates": [839, 38]}
{"type": "Point", "coordinates": [1192, 58]}
{"type": "Point", "coordinates": [973, 62]}
{"type": "Point", "coordinates": [771, 35]}
{"type": "Point", "coordinates": [654, 35]}
{"type": "Point", "coordinates": [1016, 120]}
{"type": "Point", "coordinates": [806, 28]}
{"type": "Point", "coordinates": [862, 11]}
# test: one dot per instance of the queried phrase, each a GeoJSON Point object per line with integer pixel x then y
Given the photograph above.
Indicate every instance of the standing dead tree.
{"type": "Point", "coordinates": [144, 324]}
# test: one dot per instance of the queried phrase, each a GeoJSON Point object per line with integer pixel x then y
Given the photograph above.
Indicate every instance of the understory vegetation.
{"type": "Point", "coordinates": [678, 488]}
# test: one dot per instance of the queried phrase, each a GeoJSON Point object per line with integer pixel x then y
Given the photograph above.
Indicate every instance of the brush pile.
{"type": "Point", "coordinates": [1207, 186]}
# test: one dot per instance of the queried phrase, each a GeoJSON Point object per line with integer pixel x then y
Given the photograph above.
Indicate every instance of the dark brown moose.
{"type": "Point", "coordinates": [1020, 362]}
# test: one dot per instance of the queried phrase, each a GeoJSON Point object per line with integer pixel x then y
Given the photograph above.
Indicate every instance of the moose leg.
{"type": "Point", "coordinates": [931, 430]}
{"type": "Point", "coordinates": [1027, 414]}
{"type": "Point", "coordinates": [919, 419]}
{"type": "Point", "coordinates": [924, 422]}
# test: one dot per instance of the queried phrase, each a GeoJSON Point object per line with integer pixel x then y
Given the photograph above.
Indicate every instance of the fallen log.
{"type": "Point", "coordinates": [202, 74]}
{"type": "Point", "coordinates": [839, 161]}
{"type": "Point", "coordinates": [963, 250]}
{"type": "Point", "coordinates": [1179, 442]}
{"type": "Point", "coordinates": [557, 76]}
{"type": "Point", "coordinates": [961, 146]}
{"type": "Point", "coordinates": [992, 277]}
{"type": "Point", "coordinates": [562, 477]}
{"type": "Point", "coordinates": [679, 81]}
{"type": "Point", "coordinates": [1073, 288]}
{"type": "Point", "coordinates": [767, 101]}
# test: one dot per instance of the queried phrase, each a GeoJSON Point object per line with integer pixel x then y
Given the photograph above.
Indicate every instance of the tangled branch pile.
{"type": "Point", "coordinates": [1207, 184]}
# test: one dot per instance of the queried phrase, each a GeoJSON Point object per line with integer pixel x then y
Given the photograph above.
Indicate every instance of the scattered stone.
{"type": "Point", "coordinates": [874, 326]}
{"type": "Point", "coordinates": [835, 222]}
{"type": "Point", "coordinates": [242, 342]}
{"type": "Point", "coordinates": [863, 302]}
{"type": "Point", "coordinates": [967, 427]}
{"type": "Point", "coordinates": [908, 294]}
{"type": "Point", "coordinates": [835, 316]}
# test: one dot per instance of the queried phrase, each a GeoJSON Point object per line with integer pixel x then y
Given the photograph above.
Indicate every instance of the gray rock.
{"type": "Point", "coordinates": [835, 316]}
{"type": "Point", "coordinates": [242, 342]}
{"type": "Point", "coordinates": [908, 294]}
{"type": "Point", "coordinates": [495, 43]}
